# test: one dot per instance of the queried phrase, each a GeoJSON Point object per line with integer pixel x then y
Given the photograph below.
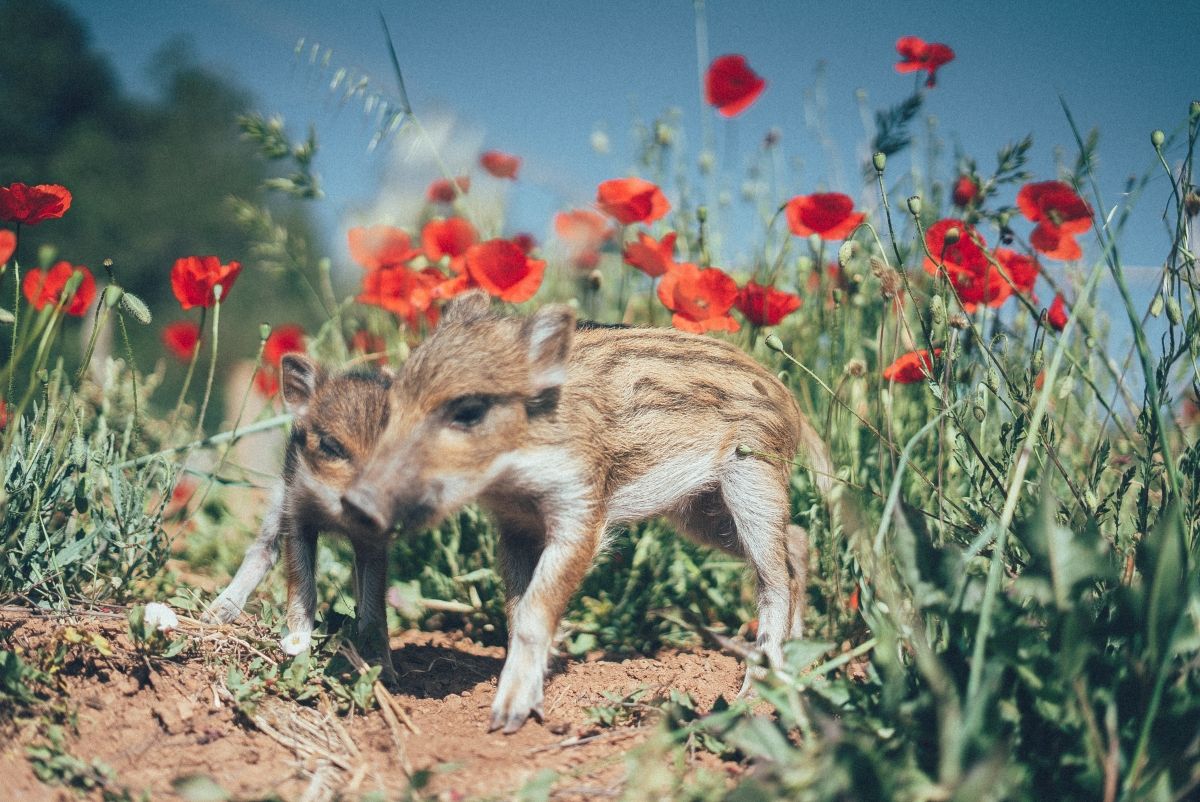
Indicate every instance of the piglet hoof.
{"type": "Point", "coordinates": [221, 611]}
{"type": "Point", "coordinates": [512, 721]}
{"type": "Point", "coordinates": [517, 698]}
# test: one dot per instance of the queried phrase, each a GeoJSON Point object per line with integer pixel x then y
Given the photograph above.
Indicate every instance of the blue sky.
{"type": "Point", "coordinates": [537, 78]}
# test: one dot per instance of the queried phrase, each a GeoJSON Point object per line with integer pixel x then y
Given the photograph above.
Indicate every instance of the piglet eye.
{"type": "Point", "coordinates": [468, 411]}
{"type": "Point", "coordinates": [332, 448]}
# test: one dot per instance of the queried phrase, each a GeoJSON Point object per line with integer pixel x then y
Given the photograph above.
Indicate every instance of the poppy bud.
{"type": "Point", "coordinates": [706, 162]}
{"type": "Point", "coordinates": [937, 310]}
{"type": "Point", "coordinates": [136, 308]}
{"type": "Point", "coordinates": [1003, 218]}
{"type": "Point", "coordinates": [774, 343]}
{"type": "Point", "coordinates": [1194, 110]}
{"type": "Point", "coordinates": [1174, 313]}
{"type": "Point", "coordinates": [980, 405]}
{"type": "Point", "coordinates": [47, 254]}
{"type": "Point", "coordinates": [744, 450]}
{"type": "Point", "coordinates": [1157, 137]}
{"type": "Point", "coordinates": [1156, 306]}
{"type": "Point", "coordinates": [702, 214]}
{"type": "Point", "coordinates": [914, 205]}
{"type": "Point", "coordinates": [992, 378]}
{"type": "Point", "coordinates": [1038, 360]}
{"type": "Point", "coordinates": [846, 253]}
{"type": "Point", "coordinates": [218, 291]}
{"type": "Point", "coordinates": [953, 235]}
{"type": "Point", "coordinates": [112, 295]}
{"type": "Point", "coordinates": [879, 160]}
{"type": "Point", "coordinates": [814, 242]}
{"type": "Point", "coordinates": [72, 285]}
{"type": "Point", "coordinates": [264, 331]}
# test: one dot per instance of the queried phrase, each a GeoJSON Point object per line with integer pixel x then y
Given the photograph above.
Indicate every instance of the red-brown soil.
{"type": "Point", "coordinates": [155, 721]}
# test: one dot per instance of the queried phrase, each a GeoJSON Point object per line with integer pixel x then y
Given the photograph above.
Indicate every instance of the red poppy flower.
{"type": "Point", "coordinates": [966, 191]}
{"type": "Point", "coordinates": [524, 241]}
{"type": "Point", "coordinates": [652, 257]}
{"type": "Point", "coordinates": [502, 269]}
{"type": "Point", "coordinates": [401, 290]}
{"type": "Point", "coordinates": [368, 344]}
{"type": "Point", "coordinates": [917, 54]}
{"type": "Point", "coordinates": [632, 200]}
{"type": "Point", "coordinates": [381, 246]}
{"type": "Point", "coordinates": [42, 287]}
{"type": "Point", "coordinates": [180, 338]}
{"type": "Point", "coordinates": [3, 415]}
{"type": "Point", "coordinates": [288, 339]}
{"type": "Point", "coordinates": [442, 191]}
{"type": "Point", "coordinates": [194, 277]}
{"type": "Point", "coordinates": [911, 367]}
{"type": "Point", "coordinates": [699, 299]}
{"type": "Point", "coordinates": [1022, 269]}
{"type": "Point", "coordinates": [1057, 316]}
{"type": "Point", "coordinates": [451, 237]}
{"type": "Point", "coordinates": [830, 215]}
{"type": "Point", "coordinates": [986, 286]}
{"type": "Point", "coordinates": [965, 254]}
{"type": "Point", "coordinates": [8, 245]}
{"type": "Point", "coordinates": [582, 229]}
{"type": "Point", "coordinates": [20, 203]}
{"type": "Point", "coordinates": [1060, 214]}
{"type": "Point", "coordinates": [765, 306]}
{"type": "Point", "coordinates": [501, 165]}
{"type": "Point", "coordinates": [731, 86]}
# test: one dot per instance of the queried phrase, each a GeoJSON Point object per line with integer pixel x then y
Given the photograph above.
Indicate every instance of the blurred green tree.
{"type": "Point", "coordinates": [151, 178]}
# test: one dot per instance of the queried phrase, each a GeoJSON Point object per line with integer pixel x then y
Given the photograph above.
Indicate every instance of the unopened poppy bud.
{"type": "Point", "coordinates": [1194, 110]}
{"type": "Point", "coordinates": [72, 284]}
{"type": "Point", "coordinates": [217, 292]}
{"type": "Point", "coordinates": [814, 242]}
{"type": "Point", "coordinates": [856, 368]}
{"type": "Point", "coordinates": [774, 343]}
{"type": "Point", "coordinates": [264, 331]}
{"type": "Point", "coordinates": [112, 295]}
{"type": "Point", "coordinates": [595, 280]}
{"type": "Point", "coordinates": [1038, 360]}
{"type": "Point", "coordinates": [46, 254]}
{"type": "Point", "coordinates": [1157, 138]}
{"type": "Point", "coordinates": [1156, 306]}
{"type": "Point", "coordinates": [1174, 313]}
{"type": "Point", "coordinates": [702, 214]}
{"type": "Point", "coordinates": [1003, 219]}
{"type": "Point", "coordinates": [992, 378]}
{"type": "Point", "coordinates": [952, 236]}
{"type": "Point", "coordinates": [937, 311]}
{"type": "Point", "coordinates": [980, 405]}
{"type": "Point", "coordinates": [706, 162]}
{"type": "Point", "coordinates": [879, 160]}
{"type": "Point", "coordinates": [136, 308]}
{"type": "Point", "coordinates": [914, 205]}
{"type": "Point", "coordinates": [744, 450]}
{"type": "Point", "coordinates": [958, 322]}
{"type": "Point", "coordinates": [846, 253]}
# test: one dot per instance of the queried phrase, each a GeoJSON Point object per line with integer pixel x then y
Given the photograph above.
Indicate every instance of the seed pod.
{"type": "Point", "coordinates": [1174, 313]}
{"type": "Point", "coordinates": [1037, 361]}
{"type": "Point", "coordinates": [1156, 306]}
{"type": "Point", "coordinates": [774, 343]}
{"type": "Point", "coordinates": [914, 205]}
{"type": "Point", "coordinates": [136, 308]}
{"type": "Point", "coordinates": [1194, 109]}
{"type": "Point", "coordinates": [992, 378]}
{"type": "Point", "coordinates": [264, 331]}
{"type": "Point", "coordinates": [880, 161]}
{"type": "Point", "coordinates": [1157, 137]}
{"type": "Point", "coordinates": [979, 408]}
{"type": "Point", "coordinates": [952, 235]}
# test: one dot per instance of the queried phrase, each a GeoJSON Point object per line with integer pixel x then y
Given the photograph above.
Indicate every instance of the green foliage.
{"type": "Point", "coordinates": [53, 764]}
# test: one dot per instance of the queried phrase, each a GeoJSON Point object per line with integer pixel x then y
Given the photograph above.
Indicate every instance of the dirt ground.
{"type": "Point", "coordinates": [153, 726]}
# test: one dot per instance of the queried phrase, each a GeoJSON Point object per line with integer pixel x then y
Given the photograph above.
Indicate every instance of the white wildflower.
{"type": "Point", "coordinates": [161, 617]}
{"type": "Point", "coordinates": [296, 642]}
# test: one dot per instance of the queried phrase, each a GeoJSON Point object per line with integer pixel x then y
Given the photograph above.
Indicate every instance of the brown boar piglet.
{"type": "Point", "coordinates": [564, 433]}
{"type": "Point", "coordinates": [338, 419]}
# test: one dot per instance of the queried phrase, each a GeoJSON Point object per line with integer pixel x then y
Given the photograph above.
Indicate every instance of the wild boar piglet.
{"type": "Point", "coordinates": [338, 419]}
{"type": "Point", "coordinates": [564, 433]}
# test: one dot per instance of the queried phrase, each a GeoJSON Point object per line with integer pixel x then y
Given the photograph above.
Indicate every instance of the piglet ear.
{"type": "Point", "coordinates": [549, 333]}
{"type": "Point", "coordinates": [467, 307]}
{"type": "Point", "coordinates": [301, 377]}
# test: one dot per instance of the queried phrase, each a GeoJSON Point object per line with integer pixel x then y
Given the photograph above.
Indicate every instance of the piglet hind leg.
{"type": "Point", "coordinates": [370, 583]}
{"type": "Point", "coordinates": [756, 495]}
{"type": "Point", "coordinates": [540, 576]}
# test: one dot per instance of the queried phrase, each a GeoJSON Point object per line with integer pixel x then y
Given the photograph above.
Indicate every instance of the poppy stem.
{"type": "Point", "coordinates": [187, 379]}
{"type": "Point", "coordinates": [212, 361]}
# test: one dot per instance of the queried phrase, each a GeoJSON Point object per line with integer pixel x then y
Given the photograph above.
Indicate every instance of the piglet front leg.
{"type": "Point", "coordinates": [300, 555]}
{"type": "Point", "coordinates": [373, 643]}
{"type": "Point", "coordinates": [259, 560]}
